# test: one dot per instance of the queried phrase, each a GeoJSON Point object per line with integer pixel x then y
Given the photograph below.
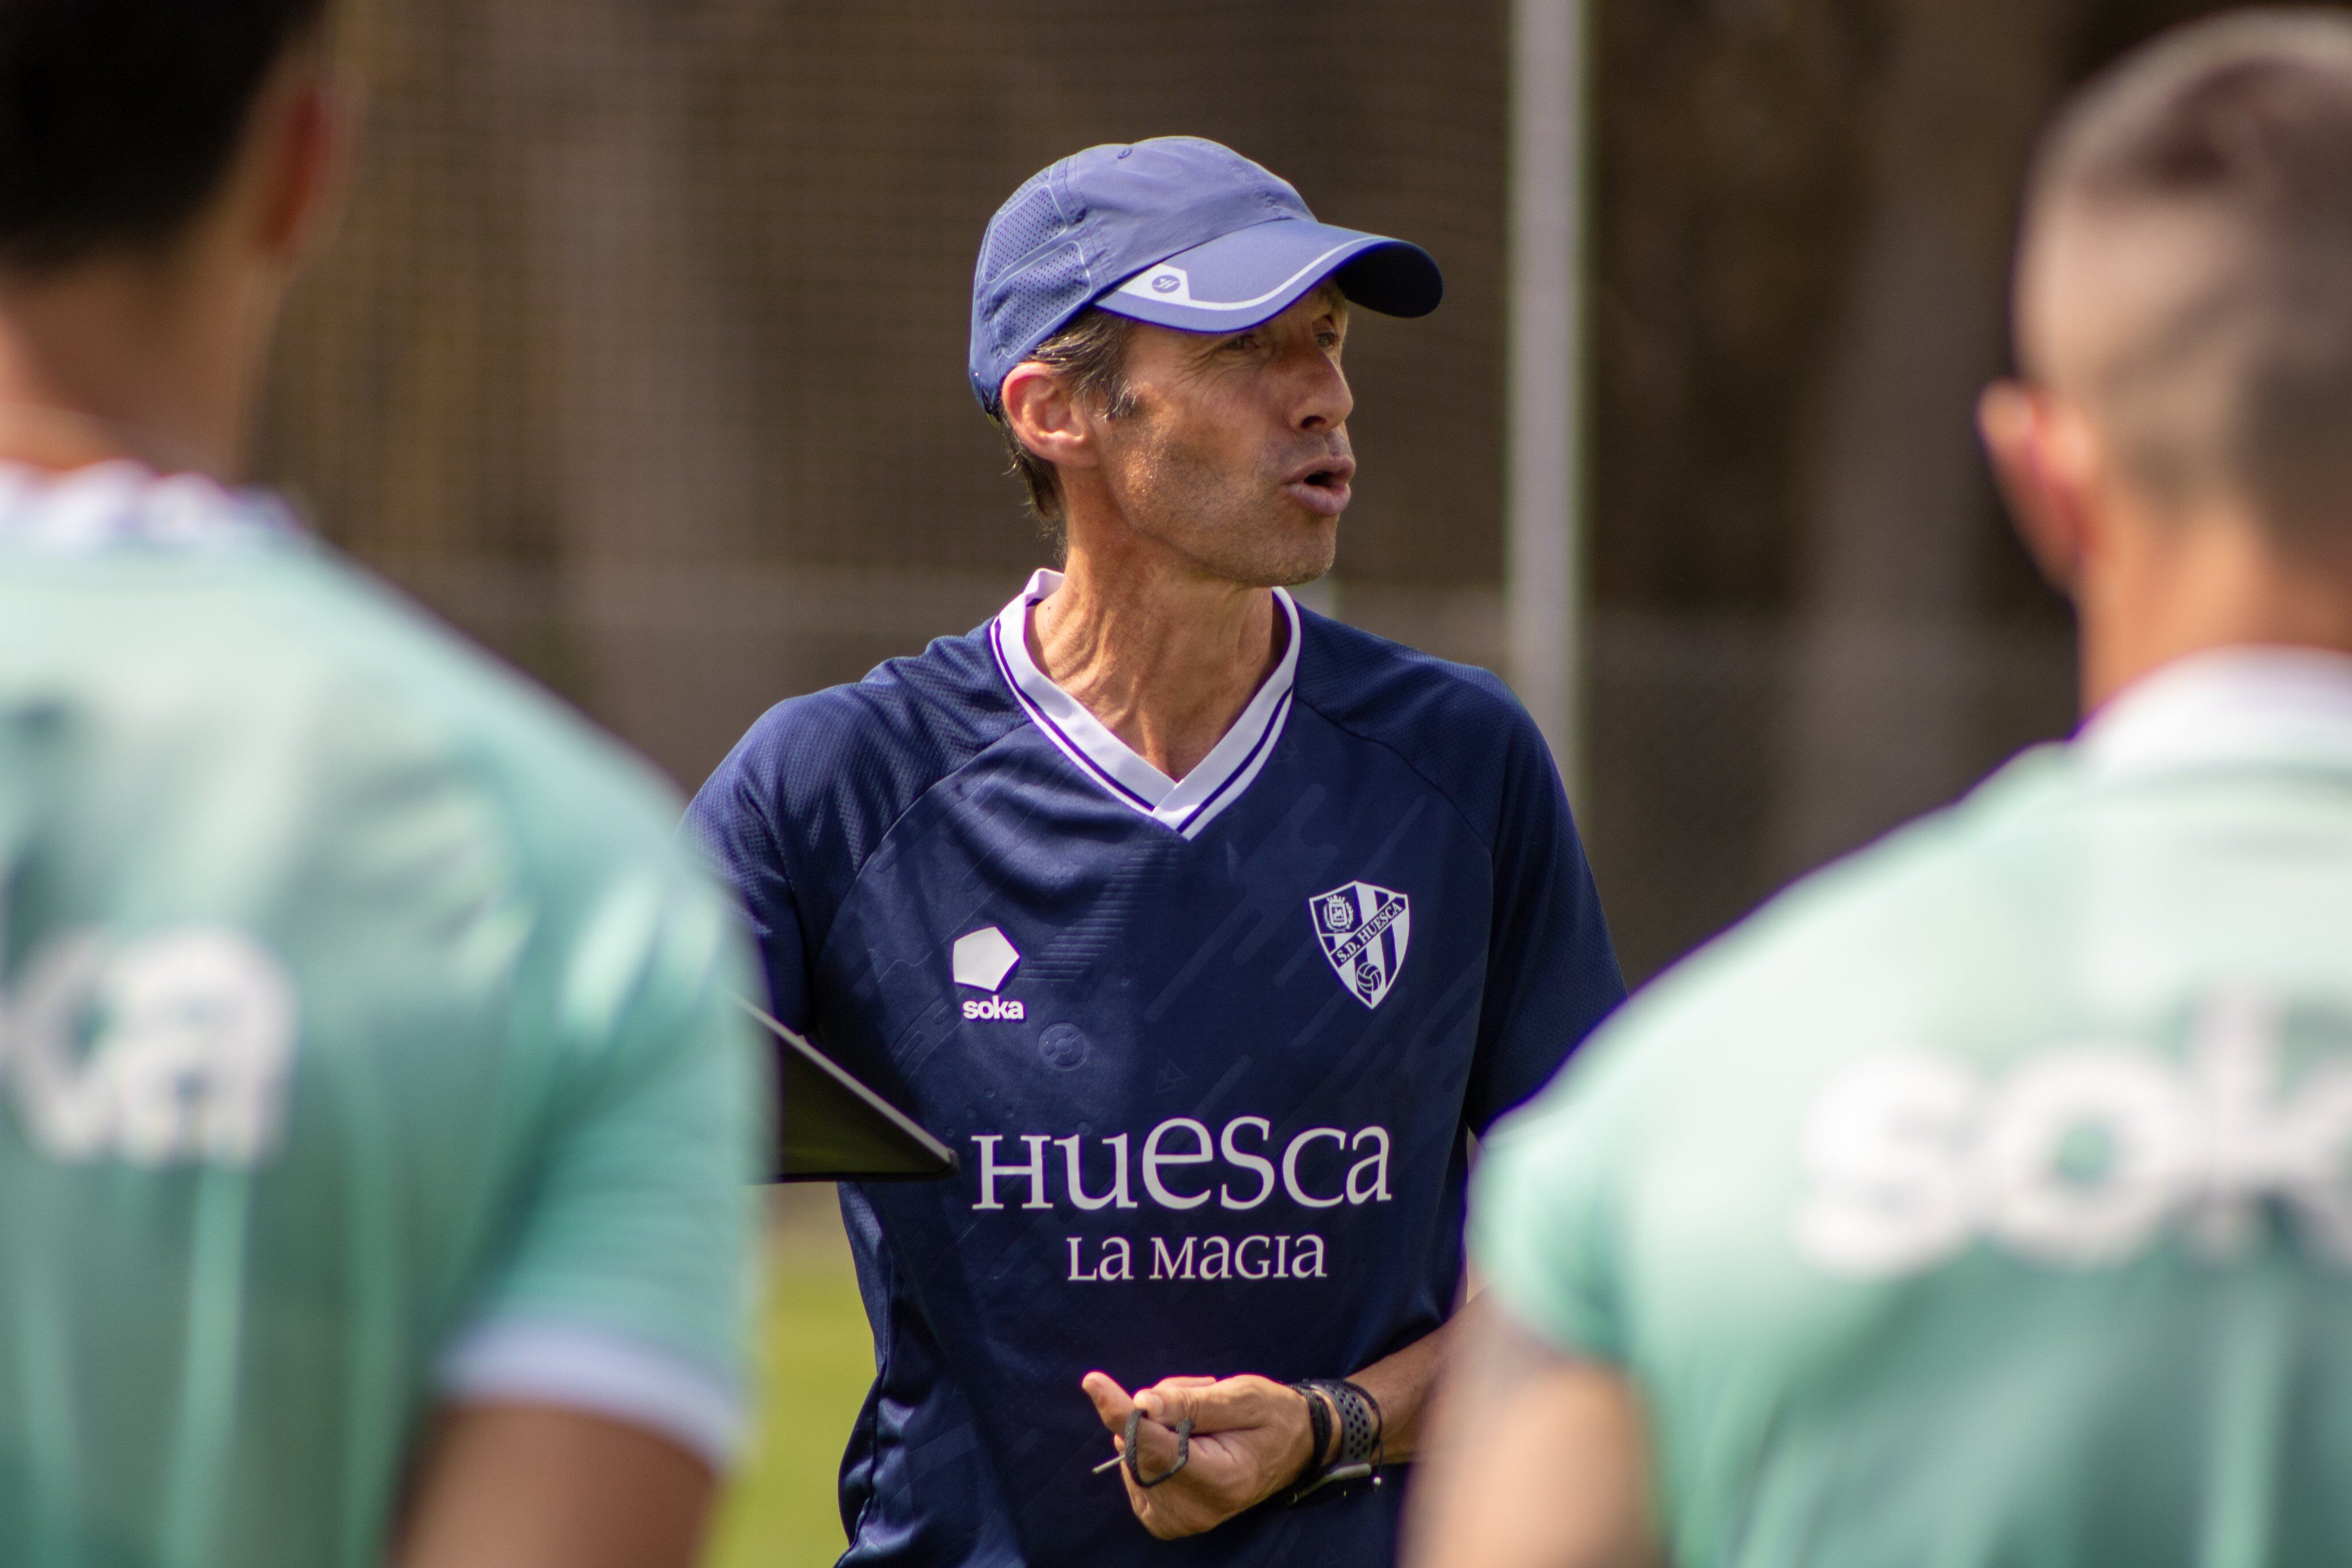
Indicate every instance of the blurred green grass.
{"type": "Point", "coordinates": [816, 1359]}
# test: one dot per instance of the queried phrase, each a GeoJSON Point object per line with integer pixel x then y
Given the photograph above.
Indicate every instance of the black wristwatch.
{"type": "Point", "coordinates": [1361, 1428]}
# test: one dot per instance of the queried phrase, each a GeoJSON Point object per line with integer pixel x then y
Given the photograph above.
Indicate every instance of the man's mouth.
{"type": "Point", "coordinates": [1321, 486]}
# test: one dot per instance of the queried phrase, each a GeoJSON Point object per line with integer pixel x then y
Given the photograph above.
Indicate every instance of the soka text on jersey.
{"type": "Point", "coordinates": [2080, 1154]}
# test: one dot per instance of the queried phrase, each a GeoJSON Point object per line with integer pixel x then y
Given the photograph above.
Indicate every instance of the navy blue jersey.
{"type": "Point", "coordinates": [1208, 1048]}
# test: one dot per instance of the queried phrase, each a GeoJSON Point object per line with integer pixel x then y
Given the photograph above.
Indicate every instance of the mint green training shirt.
{"type": "Point", "coordinates": [1987, 1198]}
{"type": "Point", "coordinates": [365, 1042]}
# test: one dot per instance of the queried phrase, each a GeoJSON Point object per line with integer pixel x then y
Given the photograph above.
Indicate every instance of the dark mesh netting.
{"type": "Point", "coordinates": [639, 354]}
{"type": "Point", "coordinates": [640, 350]}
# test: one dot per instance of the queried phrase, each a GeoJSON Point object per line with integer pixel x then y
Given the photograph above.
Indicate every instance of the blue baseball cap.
{"type": "Point", "coordinates": [1177, 231]}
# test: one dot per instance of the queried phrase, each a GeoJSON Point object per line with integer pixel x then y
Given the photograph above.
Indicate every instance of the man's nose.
{"type": "Point", "coordinates": [1321, 399]}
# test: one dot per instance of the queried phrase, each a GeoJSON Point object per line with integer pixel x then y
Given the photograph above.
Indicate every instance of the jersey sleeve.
{"type": "Point", "coordinates": [730, 824]}
{"type": "Point", "coordinates": [625, 1286]}
{"type": "Point", "coordinates": [1551, 972]}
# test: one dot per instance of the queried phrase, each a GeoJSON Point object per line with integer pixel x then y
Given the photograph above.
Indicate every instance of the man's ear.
{"type": "Point", "coordinates": [2045, 459]}
{"type": "Point", "coordinates": [1039, 409]}
{"type": "Point", "coordinates": [305, 137]}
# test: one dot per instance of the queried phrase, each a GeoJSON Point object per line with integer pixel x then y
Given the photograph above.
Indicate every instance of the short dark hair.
{"type": "Point", "coordinates": [2235, 135]}
{"type": "Point", "coordinates": [117, 118]}
{"type": "Point", "coordinates": [1091, 351]}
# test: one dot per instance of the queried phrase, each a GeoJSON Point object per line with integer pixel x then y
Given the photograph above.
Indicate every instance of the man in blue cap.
{"type": "Point", "coordinates": [1207, 929]}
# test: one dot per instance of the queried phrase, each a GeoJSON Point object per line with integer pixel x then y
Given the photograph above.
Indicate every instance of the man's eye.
{"type": "Point", "coordinates": [1246, 342]}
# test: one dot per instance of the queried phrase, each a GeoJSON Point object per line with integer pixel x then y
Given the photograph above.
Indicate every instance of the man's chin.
{"type": "Point", "coordinates": [1276, 573]}
{"type": "Point", "coordinates": [1309, 542]}
{"type": "Point", "coordinates": [1287, 548]}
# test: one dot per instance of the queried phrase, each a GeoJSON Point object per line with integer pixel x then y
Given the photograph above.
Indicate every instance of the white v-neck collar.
{"type": "Point", "coordinates": [1187, 804]}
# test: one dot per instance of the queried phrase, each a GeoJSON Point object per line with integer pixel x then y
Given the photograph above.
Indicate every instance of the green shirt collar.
{"type": "Point", "coordinates": [2228, 706]}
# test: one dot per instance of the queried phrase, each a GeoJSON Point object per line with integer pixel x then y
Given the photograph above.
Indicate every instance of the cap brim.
{"type": "Point", "coordinates": [1234, 282]}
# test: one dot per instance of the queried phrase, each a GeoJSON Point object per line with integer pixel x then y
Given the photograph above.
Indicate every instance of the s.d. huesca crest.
{"type": "Point", "coordinates": [1363, 930]}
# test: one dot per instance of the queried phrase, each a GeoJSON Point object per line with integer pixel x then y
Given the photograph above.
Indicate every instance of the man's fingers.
{"type": "Point", "coordinates": [1110, 1401]}
{"type": "Point", "coordinates": [1215, 1403]}
{"type": "Point", "coordinates": [1171, 1402]}
{"type": "Point", "coordinates": [1156, 1446]}
{"type": "Point", "coordinates": [1112, 1406]}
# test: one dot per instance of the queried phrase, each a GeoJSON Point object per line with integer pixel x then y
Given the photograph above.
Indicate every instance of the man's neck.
{"type": "Point", "coordinates": [1165, 657]}
{"type": "Point", "coordinates": [2208, 583]}
{"type": "Point", "coordinates": [115, 359]}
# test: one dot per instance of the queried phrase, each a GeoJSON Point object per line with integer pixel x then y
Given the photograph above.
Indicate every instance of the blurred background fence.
{"type": "Point", "coordinates": [639, 355]}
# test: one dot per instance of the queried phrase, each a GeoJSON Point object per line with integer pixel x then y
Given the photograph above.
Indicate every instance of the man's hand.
{"type": "Point", "coordinates": [1250, 1437]}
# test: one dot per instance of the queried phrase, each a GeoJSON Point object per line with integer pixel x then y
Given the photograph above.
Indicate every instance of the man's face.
{"type": "Point", "coordinates": [1236, 453]}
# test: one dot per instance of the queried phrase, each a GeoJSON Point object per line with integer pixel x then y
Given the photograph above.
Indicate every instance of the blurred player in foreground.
{"type": "Point", "coordinates": [1202, 925]}
{"type": "Point", "coordinates": [375, 1122]}
{"type": "Point", "coordinates": [1988, 1199]}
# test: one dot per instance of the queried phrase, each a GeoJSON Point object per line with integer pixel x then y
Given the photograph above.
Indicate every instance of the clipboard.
{"type": "Point", "coordinates": [834, 1128]}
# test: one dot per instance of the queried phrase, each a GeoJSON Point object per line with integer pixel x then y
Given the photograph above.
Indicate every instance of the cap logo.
{"type": "Point", "coordinates": [1172, 285]}
{"type": "Point", "coordinates": [1162, 282]}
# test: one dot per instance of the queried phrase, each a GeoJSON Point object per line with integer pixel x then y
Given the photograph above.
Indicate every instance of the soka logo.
{"type": "Point", "coordinates": [1363, 930]}
{"type": "Point", "coordinates": [171, 1049]}
{"type": "Point", "coordinates": [2080, 1155]}
{"type": "Point", "coordinates": [983, 959]}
